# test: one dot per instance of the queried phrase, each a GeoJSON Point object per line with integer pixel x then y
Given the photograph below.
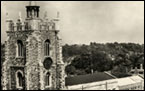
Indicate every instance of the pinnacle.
{"type": "Point", "coordinates": [32, 3]}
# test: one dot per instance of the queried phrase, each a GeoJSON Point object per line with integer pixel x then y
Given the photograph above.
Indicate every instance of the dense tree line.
{"type": "Point", "coordinates": [115, 57]}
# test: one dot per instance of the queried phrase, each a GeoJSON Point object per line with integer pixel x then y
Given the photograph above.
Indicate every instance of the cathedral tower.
{"type": "Point", "coordinates": [33, 53]}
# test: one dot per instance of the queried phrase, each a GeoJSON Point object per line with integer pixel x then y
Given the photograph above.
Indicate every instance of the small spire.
{"type": "Point", "coordinates": [7, 15]}
{"type": "Point", "coordinates": [57, 15]}
{"type": "Point", "coordinates": [20, 16]}
{"type": "Point", "coordinates": [141, 67]}
{"type": "Point", "coordinates": [32, 3]}
{"type": "Point", "coordinates": [45, 15]}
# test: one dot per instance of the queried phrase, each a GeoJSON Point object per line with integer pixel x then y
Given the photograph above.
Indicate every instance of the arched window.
{"type": "Point", "coordinates": [19, 80]}
{"type": "Point", "coordinates": [20, 48]}
{"type": "Point", "coordinates": [48, 79]}
{"type": "Point", "coordinates": [46, 47]}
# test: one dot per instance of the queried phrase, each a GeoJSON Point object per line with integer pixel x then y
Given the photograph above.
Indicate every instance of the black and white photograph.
{"type": "Point", "coordinates": [72, 45]}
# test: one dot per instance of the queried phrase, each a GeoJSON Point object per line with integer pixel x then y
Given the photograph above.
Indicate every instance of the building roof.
{"type": "Point", "coordinates": [137, 78]}
{"type": "Point", "coordinates": [98, 76]}
{"type": "Point", "coordinates": [129, 80]}
{"type": "Point", "coordinates": [125, 81]}
{"type": "Point", "coordinates": [141, 75]}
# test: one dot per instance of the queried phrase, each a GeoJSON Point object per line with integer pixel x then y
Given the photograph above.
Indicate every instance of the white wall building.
{"type": "Point", "coordinates": [126, 83]}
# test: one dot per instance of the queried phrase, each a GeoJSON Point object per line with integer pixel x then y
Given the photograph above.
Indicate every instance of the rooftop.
{"type": "Point", "coordinates": [98, 76]}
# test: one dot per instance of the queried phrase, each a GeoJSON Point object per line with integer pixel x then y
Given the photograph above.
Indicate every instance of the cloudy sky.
{"type": "Point", "coordinates": [83, 22]}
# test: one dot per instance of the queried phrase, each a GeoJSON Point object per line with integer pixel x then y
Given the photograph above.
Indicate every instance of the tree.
{"type": "Point", "coordinates": [70, 70]}
{"type": "Point", "coordinates": [104, 57]}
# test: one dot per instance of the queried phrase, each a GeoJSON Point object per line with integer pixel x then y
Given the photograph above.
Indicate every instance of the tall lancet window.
{"type": "Point", "coordinates": [47, 79]}
{"type": "Point", "coordinates": [19, 48]}
{"type": "Point", "coordinates": [46, 47]}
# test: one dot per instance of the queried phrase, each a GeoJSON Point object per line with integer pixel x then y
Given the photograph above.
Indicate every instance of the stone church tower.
{"type": "Point", "coordinates": [33, 56]}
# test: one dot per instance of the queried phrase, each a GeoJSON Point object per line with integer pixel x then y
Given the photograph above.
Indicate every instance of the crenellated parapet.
{"type": "Point", "coordinates": [31, 25]}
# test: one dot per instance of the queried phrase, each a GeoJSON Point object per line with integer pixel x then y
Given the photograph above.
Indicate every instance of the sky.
{"type": "Point", "coordinates": [82, 22]}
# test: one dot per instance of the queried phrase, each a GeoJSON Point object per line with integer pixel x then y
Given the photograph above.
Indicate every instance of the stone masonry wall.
{"type": "Point", "coordinates": [32, 66]}
{"type": "Point", "coordinates": [11, 60]}
{"type": "Point", "coordinates": [43, 36]}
